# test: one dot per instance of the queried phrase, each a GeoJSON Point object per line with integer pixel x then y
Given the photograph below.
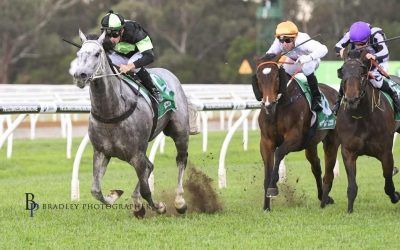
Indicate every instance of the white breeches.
{"type": "Point", "coordinates": [306, 69]}
{"type": "Point", "coordinates": [117, 59]}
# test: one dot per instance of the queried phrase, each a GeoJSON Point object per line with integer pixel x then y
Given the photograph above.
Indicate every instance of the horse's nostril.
{"type": "Point", "coordinates": [83, 75]}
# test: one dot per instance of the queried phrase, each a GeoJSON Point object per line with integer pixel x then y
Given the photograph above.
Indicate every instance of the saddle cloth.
{"type": "Point", "coordinates": [167, 103]}
{"type": "Point", "coordinates": [325, 119]}
{"type": "Point", "coordinates": [396, 87]}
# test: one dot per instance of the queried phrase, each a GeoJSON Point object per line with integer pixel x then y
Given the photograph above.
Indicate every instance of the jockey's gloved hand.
{"type": "Point", "coordinates": [304, 59]}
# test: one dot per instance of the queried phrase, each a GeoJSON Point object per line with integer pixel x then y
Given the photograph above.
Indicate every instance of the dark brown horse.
{"type": "Point", "coordinates": [365, 125]}
{"type": "Point", "coordinates": [284, 122]}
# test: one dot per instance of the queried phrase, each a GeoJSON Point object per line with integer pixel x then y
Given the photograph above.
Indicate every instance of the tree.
{"type": "Point", "coordinates": [21, 23]}
{"type": "Point", "coordinates": [191, 38]}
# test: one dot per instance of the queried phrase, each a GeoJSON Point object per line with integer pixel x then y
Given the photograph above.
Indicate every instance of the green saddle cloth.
{"type": "Point", "coordinates": [167, 103]}
{"type": "Point", "coordinates": [396, 87]}
{"type": "Point", "coordinates": [325, 118]}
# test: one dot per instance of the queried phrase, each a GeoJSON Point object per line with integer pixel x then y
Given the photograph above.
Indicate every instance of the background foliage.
{"type": "Point", "coordinates": [202, 41]}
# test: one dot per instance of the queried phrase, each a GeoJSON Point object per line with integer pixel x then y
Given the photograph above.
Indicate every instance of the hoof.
{"type": "Point", "coordinates": [327, 201]}
{"type": "Point", "coordinates": [266, 210]}
{"type": "Point", "coordinates": [395, 171]}
{"type": "Point", "coordinates": [272, 192]}
{"type": "Point", "coordinates": [181, 210]}
{"type": "Point", "coordinates": [350, 210]}
{"type": "Point", "coordinates": [161, 208]}
{"type": "Point", "coordinates": [113, 196]}
{"type": "Point", "coordinates": [395, 198]}
{"type": "Point", "coordinates": [139, 214]}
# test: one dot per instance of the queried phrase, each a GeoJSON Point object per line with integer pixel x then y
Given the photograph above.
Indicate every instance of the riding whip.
{"type": "Point", "coordinates": [301, 44]}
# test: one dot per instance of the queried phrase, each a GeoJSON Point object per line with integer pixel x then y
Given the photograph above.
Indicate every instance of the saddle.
{"type": "Point", "coordinates": [325, 118]}
{"type": "Point", "coordinates": [159, 109]}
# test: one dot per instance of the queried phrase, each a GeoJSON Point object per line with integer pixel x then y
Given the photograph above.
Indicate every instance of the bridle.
{"type": "Point", "coordinates": [273, 63]}
{"type": "Point", "coordinates": [364, 77]}
{"type": "Point", "coordinates": [101, 63]}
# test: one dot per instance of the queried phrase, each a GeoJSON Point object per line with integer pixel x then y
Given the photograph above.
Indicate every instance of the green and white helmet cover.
{"type": "Point", "coordinates": [113, 21]}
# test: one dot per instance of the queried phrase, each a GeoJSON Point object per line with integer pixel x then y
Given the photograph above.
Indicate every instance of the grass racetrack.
{"type": "Point", "coordinates": [296, 221]}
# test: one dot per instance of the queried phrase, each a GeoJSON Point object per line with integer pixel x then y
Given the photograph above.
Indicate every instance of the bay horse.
{"type": "Point", "coordinates": [365, 124]}
{"type": "Point", "coordinates": [121, 122]}
{"type": "Point", "coordinates": [284, 122]}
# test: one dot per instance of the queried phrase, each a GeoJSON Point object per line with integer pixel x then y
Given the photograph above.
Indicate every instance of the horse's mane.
{"type": "Point", "coordinates": [107, 44]}
{"type": "Point", "coordinates": [92, 36]}
{"type": "Point", "coordinates": [269, 57]}
{"type": "Point", "coordinates": [354, 54]}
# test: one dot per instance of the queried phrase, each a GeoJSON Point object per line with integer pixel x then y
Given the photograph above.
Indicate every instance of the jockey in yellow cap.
{"type": "Point", "coordinates": [306, 56]}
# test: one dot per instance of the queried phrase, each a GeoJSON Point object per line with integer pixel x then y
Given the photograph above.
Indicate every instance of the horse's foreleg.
{"type": "Point", "coordinates": [331, 146]}
{"type": "Point", "coordinates": [349, 160]}
{"type": "Point", "coordinates": [143, 168]}
{"type": "Point", "coordinates": [280, 152]}
{"type": "Point", "coordinates": [312, 156]}
{"type": "Point", "coordinates": [138, 209]}
{"type": "Point", "coordinates": [387, 166]}
{"type": "Point", "coordinates": [100, 162]}
{"type": "Point", "coordinates": [268, 159]}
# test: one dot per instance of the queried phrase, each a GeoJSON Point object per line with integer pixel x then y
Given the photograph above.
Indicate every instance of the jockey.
{"type": "Point", "coordinates": [360, 34]}
{"type": "Point", "coordinates": [130, 48]}
{"type": "Point", "coordinates": [305, 58]}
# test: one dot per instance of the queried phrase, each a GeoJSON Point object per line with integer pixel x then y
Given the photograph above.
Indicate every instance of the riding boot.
{"type": "Point", "coordinates": [396, 102]}
{"type": "Point", "coordinates": [338, 100]}
{"type": "Point", "coordinates": [148, 84]}
{"type": "Point", "coordinates": [316, 95]}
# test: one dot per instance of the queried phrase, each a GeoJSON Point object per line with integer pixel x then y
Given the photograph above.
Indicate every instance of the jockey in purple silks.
{"type": "Point", "coordinates": [359, 35]}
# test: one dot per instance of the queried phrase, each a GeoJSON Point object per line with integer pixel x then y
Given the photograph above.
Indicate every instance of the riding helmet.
{"type": "Point", "coordinates": [359, 32]}
{"type": "Point", "coordinates": [287, 29]}
{"type": "Point", "coordinates": [112, 21]}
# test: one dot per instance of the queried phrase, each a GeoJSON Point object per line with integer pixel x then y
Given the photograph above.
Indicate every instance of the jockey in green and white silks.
{"type": "Point", "coordinates": [129, 46]}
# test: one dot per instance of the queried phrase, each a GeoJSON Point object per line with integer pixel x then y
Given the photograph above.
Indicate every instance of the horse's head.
{"type": "Point", "coordinates": [354, 74]}
{"type": "Point", "coordinates": [269, 76]}
{"type": "Point", "coordinates": [90, 60]}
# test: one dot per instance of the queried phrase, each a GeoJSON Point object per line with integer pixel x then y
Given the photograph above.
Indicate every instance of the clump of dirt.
{"type": "Point", "coordinates": [291, 196]}
{"type": "Point", "coordinates": [201, 195]}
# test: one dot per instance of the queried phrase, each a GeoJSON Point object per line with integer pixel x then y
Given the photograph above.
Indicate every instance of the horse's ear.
{"type": "Point", "coordinates": [82, 36]}
{"type": "Point", "coordinates": [345, 53]}
{"type": "Point", "coordinates": [101, 38]}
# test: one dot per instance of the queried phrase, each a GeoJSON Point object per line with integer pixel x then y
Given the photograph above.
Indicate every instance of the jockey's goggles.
{"type": "Point", "coordinates": [113, 33]}
{"type": "Point", "coordinates": [360, 43]}
{"type": "Point", "coordinates": [285, 40]}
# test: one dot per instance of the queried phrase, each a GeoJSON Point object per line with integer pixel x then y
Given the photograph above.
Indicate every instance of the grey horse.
{"type": "Point", "coordinates": [127, 133]}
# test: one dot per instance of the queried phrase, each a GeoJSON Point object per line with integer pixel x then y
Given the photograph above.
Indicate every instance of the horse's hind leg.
{"type": "Point", "coordinates": [180, 135]}
{"type": "Point", "coordinates": [387, 165]}
{"type": "Point", "coordinates": [143, 168]}
{"type": "Point", "coordinates": [312, 156]}
{"type": "Point", "coordinates": [331, 146]}
{"type": "Point", "coordinates": [100, 162]}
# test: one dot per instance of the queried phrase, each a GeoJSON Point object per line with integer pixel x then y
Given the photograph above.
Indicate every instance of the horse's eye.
{"type": "Point", "coordinates": [97, 54]}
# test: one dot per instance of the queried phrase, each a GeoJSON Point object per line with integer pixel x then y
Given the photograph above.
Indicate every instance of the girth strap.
{"type": "Point", "coordinates": [115, 119]}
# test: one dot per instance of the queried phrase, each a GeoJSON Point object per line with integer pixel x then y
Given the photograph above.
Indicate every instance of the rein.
{"type": "Point", "coordinates": [298, 69]}
{"type": "Point", "coordinates": [101, 68]}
